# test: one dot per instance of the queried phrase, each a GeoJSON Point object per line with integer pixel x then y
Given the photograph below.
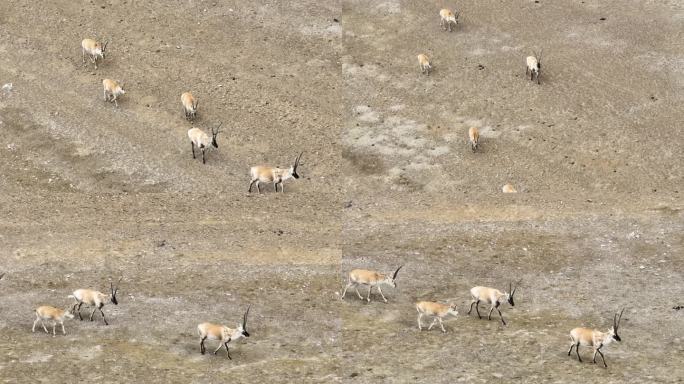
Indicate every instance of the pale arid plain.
{"type": "Point", "coordinates": [90, 192]}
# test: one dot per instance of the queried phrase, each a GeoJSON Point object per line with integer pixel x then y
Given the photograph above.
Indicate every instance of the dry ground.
{"type": "Point", "coordinates": [89, 192]}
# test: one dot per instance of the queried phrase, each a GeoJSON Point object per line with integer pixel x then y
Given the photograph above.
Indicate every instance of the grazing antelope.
{"type": "Point", "coordinates": [491, 296]}
{"type": "Point", "coordinates": [509, 188]}
{"type": "Point", "coordinates": [201, 140]}
{"type": "Point", "coordinates": [534, 66]}
{"type": "Point", "coordinates": [94, 299]}
{"type": "Point", "coordinates": [93, 48]}
{"type": "Point", "coordinates": [371, 279]}
{"type": "Point", "coordinates": [424, 62]}
{"type": "Point", "coordinates": [447, 18]}
{"type": "Point", "coordinates": [57, 316]}
{"type": "Point", "coordinates": [112, 90]}
{"type": "Point", "coordinates": [594, 338]}
{"type": "Point", "coordinates": [222, 333]}
{"type": "Point", "coordinates": [189, 105]}
{"type": "Point", "coordinates": [266, 174]}
{"type": "Point", "coordinates": [437, 310]}
{"type": "Point", "coordinates": [474, 138]}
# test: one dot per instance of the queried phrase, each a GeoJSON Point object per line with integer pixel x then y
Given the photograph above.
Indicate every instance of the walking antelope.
{"type": "Point", "coordinates": [222, 333]}
{"type": "Point", "coordinates": [424, 62]}
{"type": "Point", "coordinates": [93, 48]}
{"type": "Point", "coordinates": [473, 138]}
{"type": "Point", "coordinates": [491, 296]}
{"type": "Point", "coordinates": [534, 66]}
{"type": "Point", "coordinates": [201, 140]}
{"type": "Point", "coordinates": [189, 105]}
{"type": "Point", "coordinates": [266, 174]}
{"type": "Point", "coordinates": [594, 338]}
{"type": "Point", "coordinates": [111, 90]}
{"type": "Point", "coordinates": [437, 310]}
{"type": "Point", "coordinates": [94, 299]}
{"type": "Point", "coordinates": [447, 18]}
{"type": "Point", "coordinates": [57, 316]}
{"type": "Point", "coordinates": [371, 279]}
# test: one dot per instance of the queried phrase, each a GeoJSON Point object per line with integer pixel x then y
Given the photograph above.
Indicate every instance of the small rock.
{"type": "Point", "coordinates": [7, 87]}
{"type": "Point", "coordinates": [348, 204]}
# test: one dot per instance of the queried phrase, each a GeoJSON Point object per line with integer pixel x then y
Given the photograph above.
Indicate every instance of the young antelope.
{"type": "Point", "coordinates": [491, 296]}
{"type": "Point", "coordinates": [594, 338]}
{"type": "Point", "coordinates": [448, 18]}
{"type": "Point", "coordinates": [473, 138]}
{"type": "Point", "coordinates": [533, 66]}
{"type": "Point", "coordinates": [94, 299]}
{"type": "Point", "coordinates": [201, 140]}
{"type": "Point", "coordinates": [112, 90]}
{"type": "Point", "coordinates": [56, 315]}
{"type": "Point", "coordinates": [424, 62]}
{"type": "Point", "coordinates": [94, 49]}
{"type": "Point", "coordinates": [266, 174]}
{"type": "Point", "coordinates": [371, 279]}
{"type": "Point", "coordinates": [222, 333]}
{"type": "Point", "coordinates": [189, 105]}
{"type": "Point", "coordinates": [438, 311]}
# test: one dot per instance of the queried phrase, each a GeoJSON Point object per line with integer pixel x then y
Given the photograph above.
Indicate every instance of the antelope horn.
{"type": "Point", "coordinates": [244, 318]}
{"type": "Point", "coordinates": [395, 272]}
{"type": "Point", "coordinates": [217, 128]}
{"type": "Point", "coordinates": [616, 324]}
{"type": "Point", "coordinates": [297, 159]}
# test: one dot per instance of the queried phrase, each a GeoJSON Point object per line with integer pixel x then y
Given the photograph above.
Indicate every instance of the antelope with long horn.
{"type": "Point", "coordinates": [588, 337]}
{"type": "Point", "coordinates": [201, 140]}
{"type": "Point", "coordinates": [534, 66]}
{"type": "Point", "coordinates": [275, 175]}
{"type": "Point", "coordinates": [371, 279]}
{"type": "Point", "coordinates": [491, 296]}
{"type": "Point", "coordinates": [95, 299]}
{"type": "Point", "coordinates": [94, 49]}
{"type": "Point", "coordinates": [222, 333]}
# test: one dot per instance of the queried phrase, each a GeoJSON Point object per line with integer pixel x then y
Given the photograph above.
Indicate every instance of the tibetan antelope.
{"type": "Point", "coordinates": [594, 338]}
{"type": "Point", "coordinates": [473, 138]}
{"type": "Point", "coordinates": [94, 299]}
{"type": "Point", "coordinates": [491, 296]}
{"type": "Point", "coordinates": [509, 188]}
{"type": "Point", "coordinates": [94, 49]}
{"type": "Point", "coordinates": [189, 105]}
{"type": "Point", "coordinates": [201, 140]}
{"type": "Point", "coordinates": [448, 18]}
{"type": "Point", "coordinates": [56, 315]}
{"type": "Point", "coordinates": [111, 90]}
{"type": "Point", "coordinates": [437, 310]}
{"type": "Point", "coordinates": [534, 66]}
{"type": "Point", "coordinates": [371, 279]}
{"type": "Point", "coordinates": [424, 62]}
{"type": "Point", "coordinates": [266, 174]}
{"type": "Point", "coordinates": [222, 333]}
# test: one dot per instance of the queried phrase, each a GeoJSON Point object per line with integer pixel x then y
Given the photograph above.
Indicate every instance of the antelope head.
{"type": "Point", "coordinates": [391, 280]}
{"type": "Point", "coordinates": [293, 169]}
{"type": "Point", "coordinates": [214, 133]}
{"type": "Point", "coordinates": [616, 324]}
{"type": "Point", "coordinates": [241, 330]}
{"type": "Point", "coordinates": [510, 293]}
{"type": "Point", "coordinates": [113, 291]}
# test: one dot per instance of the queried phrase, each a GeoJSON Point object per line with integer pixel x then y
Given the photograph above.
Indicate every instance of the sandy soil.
{"type": "Point", "coordinates": [89, 192]}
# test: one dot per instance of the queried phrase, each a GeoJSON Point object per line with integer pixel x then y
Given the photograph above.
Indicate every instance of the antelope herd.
{"type": "Point", "coordinates": [357, 277]}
